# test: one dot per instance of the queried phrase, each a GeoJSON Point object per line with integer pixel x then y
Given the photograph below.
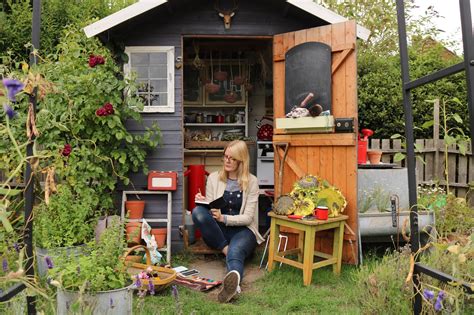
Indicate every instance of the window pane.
{"type": "Point", "coordinates": [160, 99]}
{"type": "Point", "coordinates": [158, 85]}
{"type": "Point", "coordinates": [158, 72]}
{"type": "Point", "coordinates": [142, 72]}
{"type": "Point", "coordinates": [145, 98]}
{"type": "Point", "coordinates": [142, 85]}
{"type": "Point", "coordinates": [158, 58]}
{"type": "Point", "coordinates": [139, 59]}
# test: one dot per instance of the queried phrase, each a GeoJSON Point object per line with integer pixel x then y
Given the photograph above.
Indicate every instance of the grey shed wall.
{"type": "Point", "coordinates": [165, 26]}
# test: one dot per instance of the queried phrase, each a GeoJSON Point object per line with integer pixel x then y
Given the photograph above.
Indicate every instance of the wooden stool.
{"type": "Point", "coordinates": [307, 232]}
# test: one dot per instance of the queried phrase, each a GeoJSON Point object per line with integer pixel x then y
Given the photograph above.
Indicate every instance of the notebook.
{"type": "Point", "coordinates": [218, 203]}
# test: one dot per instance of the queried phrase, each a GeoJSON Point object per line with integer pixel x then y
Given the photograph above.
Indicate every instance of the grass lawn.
{"type": "Point", "coordinates": [278, 292]}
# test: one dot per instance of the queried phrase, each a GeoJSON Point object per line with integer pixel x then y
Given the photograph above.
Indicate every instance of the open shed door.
{"type": "Point", "coordinates": [332, 156]}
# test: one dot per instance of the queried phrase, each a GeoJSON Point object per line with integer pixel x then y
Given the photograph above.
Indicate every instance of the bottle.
{"type": "Point", "coordinates": [189, 226]}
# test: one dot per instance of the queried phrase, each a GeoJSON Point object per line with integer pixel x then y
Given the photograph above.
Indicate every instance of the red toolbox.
{"type": "Point", "coordinates": [162, 180]}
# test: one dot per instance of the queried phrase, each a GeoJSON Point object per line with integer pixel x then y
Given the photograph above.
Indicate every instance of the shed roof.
{"type": "Point", "coordinates": [145, 5]}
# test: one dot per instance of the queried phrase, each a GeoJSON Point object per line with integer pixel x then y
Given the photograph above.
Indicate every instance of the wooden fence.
{"type": "Point", "coordinates": [431, 161]}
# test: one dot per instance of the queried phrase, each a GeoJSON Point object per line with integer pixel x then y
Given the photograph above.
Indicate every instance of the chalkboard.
{"type": "Point", "coordinates": [308, 70]}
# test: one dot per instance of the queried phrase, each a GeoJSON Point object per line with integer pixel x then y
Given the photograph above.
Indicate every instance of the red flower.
{"type": "Point", "coordinates": [66, 150]}
{"type": "Point", "coordinates": [109, 108]}
{"type": "Point", "coordinates": [96, 60]}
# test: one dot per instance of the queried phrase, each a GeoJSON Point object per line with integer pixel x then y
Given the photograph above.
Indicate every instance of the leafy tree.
{"type": "Point", "coordinates": [15, 21]}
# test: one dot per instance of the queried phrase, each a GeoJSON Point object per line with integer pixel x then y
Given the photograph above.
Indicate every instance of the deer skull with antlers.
{"type": "Point", "coordinates": [226, 14]}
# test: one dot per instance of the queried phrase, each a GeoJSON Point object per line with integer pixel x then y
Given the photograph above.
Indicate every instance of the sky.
{"type": "Point", "coordinates": [450, 23]}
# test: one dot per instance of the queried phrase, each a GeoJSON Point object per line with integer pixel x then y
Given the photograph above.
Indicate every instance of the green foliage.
{"type": "Point", "coordinates": [381, 286]}
{"type": "Point", "coordinates": [67, 221]}
{"type": "Point", "coordinates": [100, 270]}
{"type": "Point", "coordinates": [15, 21]}
{"type": "Point", "coordinates": [103, 150]}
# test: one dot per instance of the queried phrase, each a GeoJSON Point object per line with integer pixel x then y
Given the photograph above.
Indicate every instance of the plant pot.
{"type": "Point", "coordinates": [239, 80]}
{"type": "Point", "coordinates": [135, 209]}
{"type": "Point", "coordinates": [54, 254]}
{"type": "Point", "coordinates": [133, 232]}
{"type": "Point", "coordinates": [212, 88]}
{"type": "Point", "coordinates": [374, 156]}
{"type": "Point", "coordinates": [160, 236]}
{"type": "Point", "coordinates": [117, 301]}
{"type": "Point", "coordinates": [220, 75]}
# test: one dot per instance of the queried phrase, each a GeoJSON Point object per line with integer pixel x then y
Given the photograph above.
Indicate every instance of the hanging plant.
{"type": "Point", "coordinates": [230, 96]}
{"type": "Point", "coordinates": [240, 79]}
{"type": "Point", "coordinates": [220, 75]}
{"type": "Point", "coordinates": [211, 87]}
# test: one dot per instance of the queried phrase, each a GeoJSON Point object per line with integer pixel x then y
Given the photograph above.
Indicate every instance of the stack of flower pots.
{"type": "Point", "coordinates": [134, 210]}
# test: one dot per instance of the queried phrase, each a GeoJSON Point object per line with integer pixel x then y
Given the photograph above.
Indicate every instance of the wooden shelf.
{"type": "Point", "coordinates": [213, 125]}
{"type": "Point", "coordinates": [214, 105]}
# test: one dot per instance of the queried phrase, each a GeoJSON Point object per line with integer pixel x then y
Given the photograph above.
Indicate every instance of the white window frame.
{"type": "Point", "coordinates": [169, 50]}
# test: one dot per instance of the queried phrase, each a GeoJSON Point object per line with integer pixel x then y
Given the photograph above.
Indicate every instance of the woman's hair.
{"type": "Point", "coordinates": [240, 152]}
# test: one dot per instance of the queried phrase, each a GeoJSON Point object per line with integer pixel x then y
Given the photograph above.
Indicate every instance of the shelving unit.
{"type": "Point", "coordinates": [167, 248]}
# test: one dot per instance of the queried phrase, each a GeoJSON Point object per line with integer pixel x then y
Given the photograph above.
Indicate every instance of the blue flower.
{"type": "Point", "coordinates": [13, 88]}
{"type": "Point", "coordinates": [17, 247]}
{"type": "Point", "coordinates": [428, 294]}
{"type": "Point", "coordinates": [5, 265]}
{"type": "Point", "coordinates": [439, 301]}
{"type": "Point", "coordinates": [9, 111]}
{"type": "Point", "coordinates": [49, 262]}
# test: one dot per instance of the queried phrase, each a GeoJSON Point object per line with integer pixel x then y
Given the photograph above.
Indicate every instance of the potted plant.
{"type": "Point", "coordinates": [64, 225]}
{"type": "Point", "coordinates": [96, 283]}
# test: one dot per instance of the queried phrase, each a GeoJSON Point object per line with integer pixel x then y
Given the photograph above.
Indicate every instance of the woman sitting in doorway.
{"type": "Point", "coordinates": [233, 229]}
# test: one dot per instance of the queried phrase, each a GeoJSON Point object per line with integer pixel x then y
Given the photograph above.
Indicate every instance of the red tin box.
{"type": "Point", "coordinates": [162, 180]}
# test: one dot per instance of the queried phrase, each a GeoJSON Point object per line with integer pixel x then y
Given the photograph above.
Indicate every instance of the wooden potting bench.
{"type": "Point", "coordinates": [306, 253]}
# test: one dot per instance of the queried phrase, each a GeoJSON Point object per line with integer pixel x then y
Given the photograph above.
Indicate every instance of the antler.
{"type": "Point", "coordinates": [235, 7]}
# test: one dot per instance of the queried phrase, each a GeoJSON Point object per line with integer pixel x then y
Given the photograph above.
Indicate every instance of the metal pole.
{"type": "Point", "coordinates": [29, 191]}
{"type": "Point", "coordinates": [410, 150]}
{"type": "Point", "coordinates": [468, 44]}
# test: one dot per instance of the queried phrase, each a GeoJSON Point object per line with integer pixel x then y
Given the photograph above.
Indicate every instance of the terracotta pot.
{"type": "Point", "coordinates": [220, 75]}
{"type": "Point", "coordinates": [239, 80]}
{"type": "Point", "coordinates": [133, 232]}
{"type": "Point", "coordinates": [374, 156]}
{"type": "Point", "coordinates": [160, 236]}
{"type": "Point", "coordinates": [135, 209]}
{"type": "Point", "coordinates": [230, 97]}
{"type": "Point", "coordinates": [212, 88]}
{"type": "Point", "coordinates": [133, 258]}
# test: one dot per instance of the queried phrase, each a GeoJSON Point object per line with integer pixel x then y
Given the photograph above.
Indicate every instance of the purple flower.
{"type": "Point", "coordinates": [138, 282]}
{"type": "Point", "coordinates": [428, 294]}
{"type": "Point", "coordinates": [17, 247]}
{"type": "Point", "coordinates": [9, 111]}
{"type": "Point", "coordinates": [174, 291]}
{"type": "Point", "coordinates": [49, 262]}
{"type": "Point", "coordinates": [151, 287]}
{"type": "Point", "coordinates": [13, 88]}
{"type": "Point", "coordinates": [5, 265]}
{"type": "Point", "coordinates": [439, 301]}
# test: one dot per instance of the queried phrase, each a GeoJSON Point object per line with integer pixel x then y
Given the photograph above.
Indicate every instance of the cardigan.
{"type": "Point", "coordinates": [248, 215]}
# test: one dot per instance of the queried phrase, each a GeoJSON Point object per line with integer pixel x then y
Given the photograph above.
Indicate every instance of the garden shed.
{"type": "Point", "coordinates": [177, 47]}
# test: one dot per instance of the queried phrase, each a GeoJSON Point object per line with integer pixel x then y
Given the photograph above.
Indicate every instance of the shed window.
{"type": "Point", "coordinates": [154, 70]}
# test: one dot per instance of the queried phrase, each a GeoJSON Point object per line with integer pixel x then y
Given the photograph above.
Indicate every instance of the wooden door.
{"type": "Point", "coordinates": [332, 156]}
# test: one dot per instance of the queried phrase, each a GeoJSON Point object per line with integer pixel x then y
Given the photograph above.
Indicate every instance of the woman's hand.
{"type": "Point", "coordinates": [199, 197]}
{"type": "Point", "coordinates": [216, 214]}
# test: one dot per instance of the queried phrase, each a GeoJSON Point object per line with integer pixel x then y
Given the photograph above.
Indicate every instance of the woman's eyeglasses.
{"type": "Point", "coordinates": [229, 159]}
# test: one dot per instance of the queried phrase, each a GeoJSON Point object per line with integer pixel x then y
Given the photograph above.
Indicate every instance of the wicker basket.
{"type": "Point", "coordinates": [162, 276]}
